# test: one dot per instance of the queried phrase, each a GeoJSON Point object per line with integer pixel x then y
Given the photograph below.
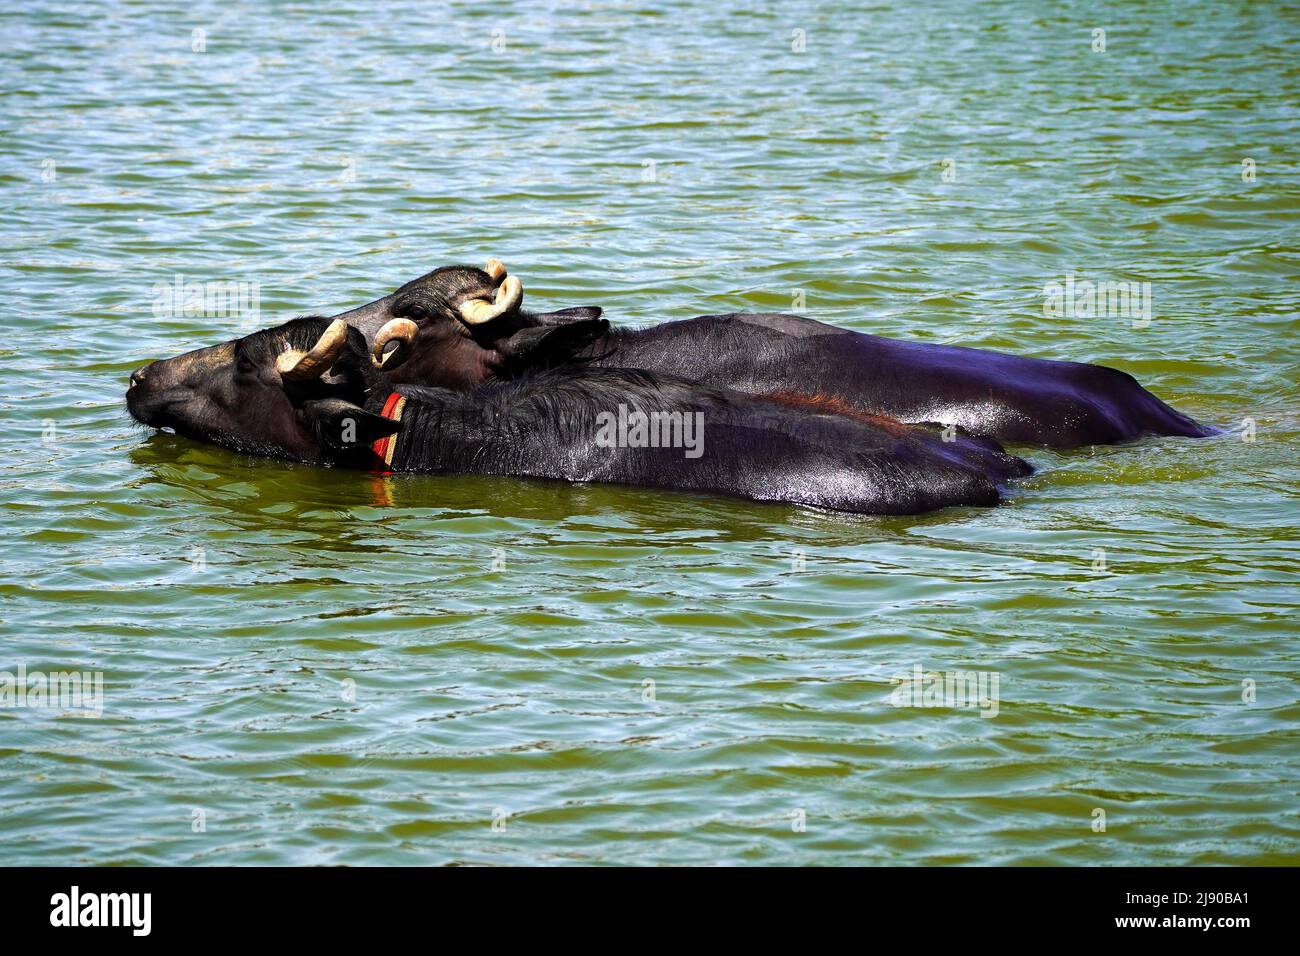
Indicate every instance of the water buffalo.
{"type": "Point", "coordinates": [472, 327]}
{"type": "Point", "coordinates": [315, 390]}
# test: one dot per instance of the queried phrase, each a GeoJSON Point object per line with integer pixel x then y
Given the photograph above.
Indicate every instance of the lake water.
{"type": "Point", "coordinates": [311, 666]}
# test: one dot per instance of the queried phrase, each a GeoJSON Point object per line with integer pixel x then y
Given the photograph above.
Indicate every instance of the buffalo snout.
{"type": "Point", "coordinates": [145, 399]}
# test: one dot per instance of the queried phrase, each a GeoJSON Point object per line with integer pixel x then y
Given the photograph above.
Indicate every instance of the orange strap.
{"type": "Point", "coordinates": [385, 446]}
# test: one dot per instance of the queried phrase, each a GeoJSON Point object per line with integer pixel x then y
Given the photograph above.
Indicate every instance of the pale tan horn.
{"type": "Point", "coordinates": [509, 294]}
{"type": "Point", "coordinates": [402, 331]}
{"type": "Point", "coordinates": [496, 269]}
{"type": "Point", "coordinates": [296, 364]}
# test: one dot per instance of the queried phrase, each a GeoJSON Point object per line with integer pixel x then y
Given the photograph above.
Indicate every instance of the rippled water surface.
{"type": "Point", "coordinates": [310, 666]}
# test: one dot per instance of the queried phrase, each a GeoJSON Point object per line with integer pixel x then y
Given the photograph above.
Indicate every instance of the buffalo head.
{"type": "Point", "coordinates": [461, 326]}
{"type": "Point", "coordinates": [279, 392]}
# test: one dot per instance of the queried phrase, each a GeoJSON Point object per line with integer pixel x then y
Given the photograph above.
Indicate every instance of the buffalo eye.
{"type": "Point", "coordinates": [415, 312]}
{"type": "Point", "coordinates": [413, 306]}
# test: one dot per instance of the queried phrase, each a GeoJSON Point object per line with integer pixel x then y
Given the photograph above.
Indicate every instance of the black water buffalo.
{"type": "Point", "coordinates": [472, 327]}
{"type": "Point", "coordinates": [314, 390]}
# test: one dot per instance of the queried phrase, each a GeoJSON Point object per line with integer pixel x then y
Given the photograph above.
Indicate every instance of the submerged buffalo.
{"type": "Point", "coordinates": [472, 327]}
{"type": "Point", "coordinates": [315, 390]}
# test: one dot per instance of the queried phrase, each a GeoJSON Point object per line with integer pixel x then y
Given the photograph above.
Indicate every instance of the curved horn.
{"type": "Point", "coordinates": [295, 364]}
{"type": "Point", "coordinates": [509, 294]}
{"type": "Point", "coordinates": [401, 331]}
{"type": "Point", "coordinates": [496, 269]}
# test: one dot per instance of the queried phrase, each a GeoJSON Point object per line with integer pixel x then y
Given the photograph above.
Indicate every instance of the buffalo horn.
{"type": "Point", "coordinates": [402, 331]}
{"type": "Point", "coordinates": [508, 296]}
{"type": "Point", "coordinates": [296, 364]}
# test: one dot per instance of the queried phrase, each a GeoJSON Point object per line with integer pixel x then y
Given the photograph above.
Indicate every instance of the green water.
{"type": "Point", "coordinates": [323, 667]}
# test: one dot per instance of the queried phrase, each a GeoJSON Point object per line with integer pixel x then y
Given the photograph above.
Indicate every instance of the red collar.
{"type": "Point", "coordinates": [385, 446]}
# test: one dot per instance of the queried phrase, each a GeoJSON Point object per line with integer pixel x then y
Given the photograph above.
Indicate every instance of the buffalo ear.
{"type": "Point", "coordinates": [564, 316]}
{"type": "Point", "coordinates": [546, 346]}
{"type": "Point", "coordinates": [342, 426]}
